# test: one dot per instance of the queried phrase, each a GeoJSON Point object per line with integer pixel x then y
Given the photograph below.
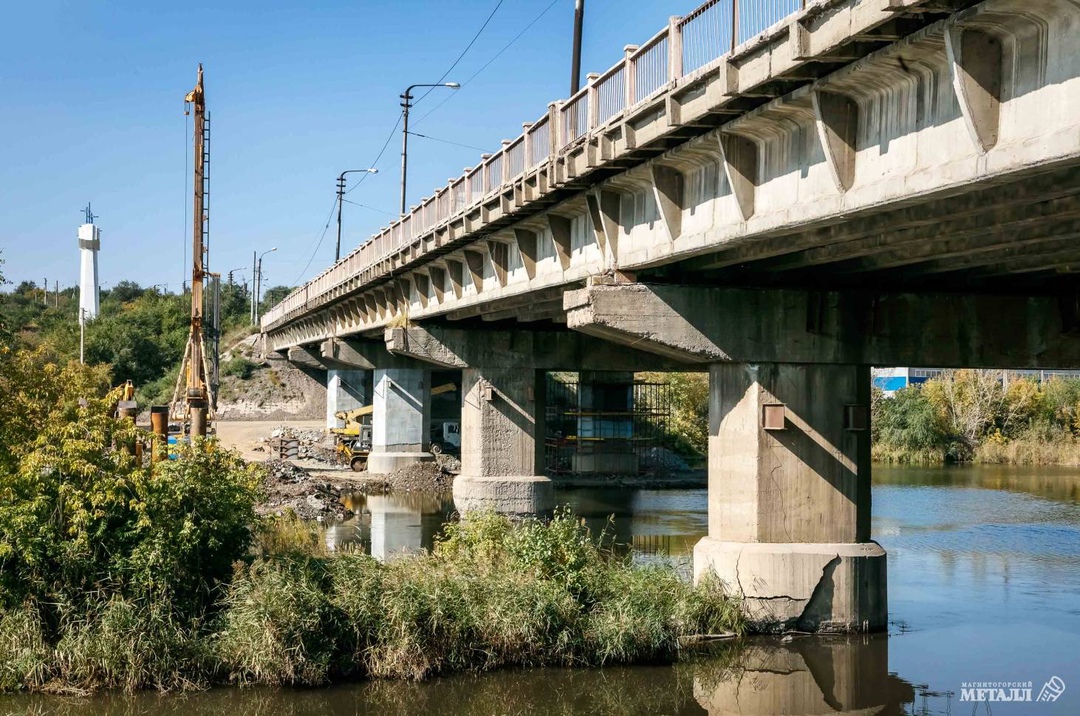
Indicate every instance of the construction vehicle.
{"type": "Point", "coordinates": [353, 442]}
{"type": "Point", "coordinates": [194, 396]}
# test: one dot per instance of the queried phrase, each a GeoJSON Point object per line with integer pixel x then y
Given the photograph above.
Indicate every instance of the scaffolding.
{"type": "Point", "coordinates": [607, 427]}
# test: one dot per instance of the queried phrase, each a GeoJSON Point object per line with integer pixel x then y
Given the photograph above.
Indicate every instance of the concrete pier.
{"type": "Point", "coordinates": [789, 496]}
{"type": "Point", "coordinates": [502, 442]}
{"type": "Point", "coordinates": [402, 407]}
{"type": "Point", "coordinates": [345, 390]}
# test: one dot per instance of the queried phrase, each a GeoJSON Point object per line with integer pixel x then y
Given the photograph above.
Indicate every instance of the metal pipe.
{"type": "Point", "coordinates": [198, 421]}
{"type": "Point", "coordinates": [159, 427]}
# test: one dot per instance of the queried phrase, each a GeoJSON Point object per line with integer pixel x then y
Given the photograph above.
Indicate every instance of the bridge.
{"type": "Point", "coordinates": [779, 193]}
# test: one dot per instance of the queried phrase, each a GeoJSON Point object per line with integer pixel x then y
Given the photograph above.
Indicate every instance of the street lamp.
{"type": "Point", "coordinates": [405, 132]}
{"type": "Point", "coordinates": [340, 197]}
{"type": "Point", "coordinates": [257, 280]}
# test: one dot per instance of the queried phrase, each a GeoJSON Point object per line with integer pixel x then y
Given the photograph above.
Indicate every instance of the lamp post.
{"type": "Point", "coordinates": [340, 197]}
{"type": "Point", "coordinates": [406, 104]}
{"type": "Point", "coordinates": [258, 284]}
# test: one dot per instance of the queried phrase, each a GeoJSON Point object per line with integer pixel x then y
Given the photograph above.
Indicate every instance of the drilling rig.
{"type": "Point", "coordinates": [193, 399]}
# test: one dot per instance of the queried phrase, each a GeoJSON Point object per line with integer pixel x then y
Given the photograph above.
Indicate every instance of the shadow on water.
{"type": "Point", "coordinates": [806, 676]}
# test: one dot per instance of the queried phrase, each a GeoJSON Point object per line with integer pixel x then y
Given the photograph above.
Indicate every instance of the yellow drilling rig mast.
{"type": "Point", "coordinates": [193, 399]}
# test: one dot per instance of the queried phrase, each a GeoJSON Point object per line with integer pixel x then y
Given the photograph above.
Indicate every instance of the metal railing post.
{"type": "Point", "coordinates": [555, 130]}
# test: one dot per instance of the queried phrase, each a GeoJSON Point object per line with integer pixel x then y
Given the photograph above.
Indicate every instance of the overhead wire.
{"type": "Point", "coordinates": [487, 64]}
{"type": "Point", "coordinates": [463, 52]}
{"type": "Point", "coordinates": [370, 208]}
{"type": "Point", "coordinates": [446, 141]}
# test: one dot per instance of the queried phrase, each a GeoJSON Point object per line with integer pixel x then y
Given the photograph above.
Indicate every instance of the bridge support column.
{"type": "Point", "coordinates": [400, 417]}
{"type": "Point", "coordinates": [502, 442]}
{"type": "Point", "coordinates": [345, 390]}
{"type": "Point", "coordinates": [789, 496]}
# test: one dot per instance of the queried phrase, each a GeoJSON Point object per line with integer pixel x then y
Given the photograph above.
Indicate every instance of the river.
{"type": "Point", "coordinates": [984, 586]}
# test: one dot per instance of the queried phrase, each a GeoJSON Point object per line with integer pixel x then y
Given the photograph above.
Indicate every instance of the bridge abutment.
{"type": "Point", "coordinates": [789, 496]}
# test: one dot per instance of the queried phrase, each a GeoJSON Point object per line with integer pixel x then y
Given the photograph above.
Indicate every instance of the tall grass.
{"type": "Point", "coordinates": [491, 594]}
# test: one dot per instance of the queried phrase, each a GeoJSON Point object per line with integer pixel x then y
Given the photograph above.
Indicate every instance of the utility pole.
{"type": "Point", "coordinates": [575, 64]}
{"type": "Point", "coordinates": [46, 301]}
{"type": "Point", "coordinates": [406, 103]}
{"type": "Point", "coordinates": [254, 276]}
{"type": "Point", "coordinates": [341, 198]}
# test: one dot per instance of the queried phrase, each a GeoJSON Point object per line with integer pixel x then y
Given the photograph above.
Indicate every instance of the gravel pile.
{"type": "Point", "coordinates": [288, 487]}
{"type": "Point", "coordinates": [419, 477]}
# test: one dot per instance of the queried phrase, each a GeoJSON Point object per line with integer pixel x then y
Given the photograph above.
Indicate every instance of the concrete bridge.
{"type": "Point", "coordinates": [863, 182]}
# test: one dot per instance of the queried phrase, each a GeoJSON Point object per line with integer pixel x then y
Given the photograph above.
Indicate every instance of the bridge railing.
{"type": "Point", "coordinates": [687, 44]}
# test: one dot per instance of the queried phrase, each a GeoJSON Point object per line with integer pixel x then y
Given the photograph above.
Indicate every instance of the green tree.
{"type": "Point", "coordinates": [273, 296]}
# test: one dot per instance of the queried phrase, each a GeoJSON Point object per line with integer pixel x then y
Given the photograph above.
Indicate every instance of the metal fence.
{"type": "Point", "coordinates": [686, 45]}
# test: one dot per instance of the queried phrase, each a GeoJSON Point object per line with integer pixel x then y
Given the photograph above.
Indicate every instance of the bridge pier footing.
{"type": "Point", "coordinates": [401, 415]}
{"type": "Point", "coordinates": [502, 442]}
{"type": "Point", "coordinates": [789, 497]}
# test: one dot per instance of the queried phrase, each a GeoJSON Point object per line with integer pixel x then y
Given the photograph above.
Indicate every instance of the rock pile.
{"type": "Point", "coordinates": [419, 477]}
{"type": "Point", "coordinates": [289, 487]}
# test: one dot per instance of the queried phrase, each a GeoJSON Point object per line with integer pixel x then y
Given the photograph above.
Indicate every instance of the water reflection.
{"type": "Point", "coordinates": [386, 526]}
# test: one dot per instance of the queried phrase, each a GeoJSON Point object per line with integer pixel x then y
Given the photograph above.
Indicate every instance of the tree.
{"type": "Point", "coordinates": [274, 296]}
{"type": "Point", "coordinates": [126, 291]}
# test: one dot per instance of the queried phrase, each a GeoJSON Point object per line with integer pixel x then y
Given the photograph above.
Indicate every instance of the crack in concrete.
{"type": "Point", "coordinates": [783, 507]}
{"type": "Point", "coordinates": [819, 589]}
{"type": "Point", "coordinates": [738, 579]}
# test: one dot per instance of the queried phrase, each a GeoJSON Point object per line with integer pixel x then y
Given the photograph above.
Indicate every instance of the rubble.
{"type": "Point", "coordinates": [418, 477]}
{"type": "Point", "coordinates": [290, 487]}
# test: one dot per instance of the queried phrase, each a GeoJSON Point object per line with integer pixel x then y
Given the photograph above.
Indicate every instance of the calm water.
{"type": "Point", "coordinates": [984, 585]}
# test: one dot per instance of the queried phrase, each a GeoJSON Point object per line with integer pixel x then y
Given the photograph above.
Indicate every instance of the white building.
{"type": "Point", "coordinates": [89, 243]}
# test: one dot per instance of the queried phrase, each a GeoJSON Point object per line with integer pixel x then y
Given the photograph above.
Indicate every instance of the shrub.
{"type": "Point", "coordinates": [239, 367]}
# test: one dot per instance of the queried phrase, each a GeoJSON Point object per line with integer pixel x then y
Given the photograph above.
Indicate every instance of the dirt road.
{"type": "Point", "coordinates": [243, 435]}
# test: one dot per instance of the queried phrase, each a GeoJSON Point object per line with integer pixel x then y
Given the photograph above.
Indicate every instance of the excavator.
{"type": "Point", "coordinates": [353, 441]}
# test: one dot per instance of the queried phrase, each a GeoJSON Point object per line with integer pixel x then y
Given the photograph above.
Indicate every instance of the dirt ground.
{"type": "Point", "coordinates": [243, 435]}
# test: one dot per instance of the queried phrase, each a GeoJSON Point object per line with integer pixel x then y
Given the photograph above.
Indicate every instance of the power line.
{"type": "Point", "coordinates": [447, 141]}
{"type": "Point", "coordinates": [372, 208]}
{"type": "Point", "coordinates": [329, 218]}
{"type": "Point", "coordinates": [487, 64]}
{"type": "Point", "coordinates": [467, 47]}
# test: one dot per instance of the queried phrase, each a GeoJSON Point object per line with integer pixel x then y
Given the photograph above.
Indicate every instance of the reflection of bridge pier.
{"type": "Point", "coordinates": [395, 527]}
{"type": "Point", "coordinates": [807, 676]}
{"type": "Point", "coordinates": [389, 525]}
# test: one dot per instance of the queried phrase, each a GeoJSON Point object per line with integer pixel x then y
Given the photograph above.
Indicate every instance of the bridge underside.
{"type": "Point", "coordinates": [918, 206]}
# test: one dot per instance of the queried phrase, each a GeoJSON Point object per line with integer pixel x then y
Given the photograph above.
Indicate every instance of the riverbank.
{"type": "Point", "coordinates": [491, 594]}
{"type": "Point", "coordinates": [1020, 452]}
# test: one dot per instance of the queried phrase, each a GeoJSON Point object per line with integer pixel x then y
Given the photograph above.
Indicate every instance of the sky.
{"type": "Point", "coordinates": [92, 95]}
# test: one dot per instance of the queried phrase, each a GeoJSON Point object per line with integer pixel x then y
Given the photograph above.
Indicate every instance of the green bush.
{"type": "Point", "coordinates": [239, 367]}
{"type": "Point", "coordinates": [79, 516]}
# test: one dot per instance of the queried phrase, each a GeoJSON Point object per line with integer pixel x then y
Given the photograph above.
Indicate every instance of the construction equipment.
{"type": "Point", "coordinates": [193, 407]}
{"type": "Point", "coordinates": [353, 453]}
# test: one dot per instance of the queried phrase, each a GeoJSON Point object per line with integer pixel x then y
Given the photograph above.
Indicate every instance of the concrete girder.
{"type": "Point", "coordinates": [499, 252]}
{"type": "Point", "coordinates": [975, 59]}
{"type": "Point", "coordinates": [438, 281]}
{"type": "Point", "coordinates": [306, 356]}
{"type": "Point", "coordinates": [970, 235]}
{"type": "Point", "coordinates": [455, 269]}
{"type": "Point", "coordinates": [528, 243]}
{"type": "Point", "coordinates": [361, 354]}
{"type": "Point", "coordinates": [1031, 188]}
{"type": "Point", "coordinates": [741, 169]}
{"type": "Point", "coordinates": [992, 248]}
{"type": "Point", "coordinates": [603, 206]}
{"type": "Point", "coordinates": [561, 235]}
{"type": "Point", "coordinates": [707, 325]}
{"type": "Point", "coordinates": [422, 280]}
{"type": "Point", "coordinates": [475, 261]}
{"type": "Point", "coordinates": [457, 348]}
{"type": "Point", "coordinates": [837, 121]}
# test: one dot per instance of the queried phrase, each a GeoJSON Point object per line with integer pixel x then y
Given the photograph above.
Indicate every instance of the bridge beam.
{"type": "Point", "coordinates": [707, 325]}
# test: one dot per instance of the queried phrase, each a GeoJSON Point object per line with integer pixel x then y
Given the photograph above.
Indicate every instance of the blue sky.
{"type": "Point", "coordinates": [92, 96]}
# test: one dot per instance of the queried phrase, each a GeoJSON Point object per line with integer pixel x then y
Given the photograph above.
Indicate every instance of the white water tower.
{"type": "Point", "coordinates": [89, 243]}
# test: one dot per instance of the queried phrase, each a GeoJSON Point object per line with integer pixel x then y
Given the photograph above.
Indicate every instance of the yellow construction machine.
{"type": "Point", "coordinates": [353, 442]}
